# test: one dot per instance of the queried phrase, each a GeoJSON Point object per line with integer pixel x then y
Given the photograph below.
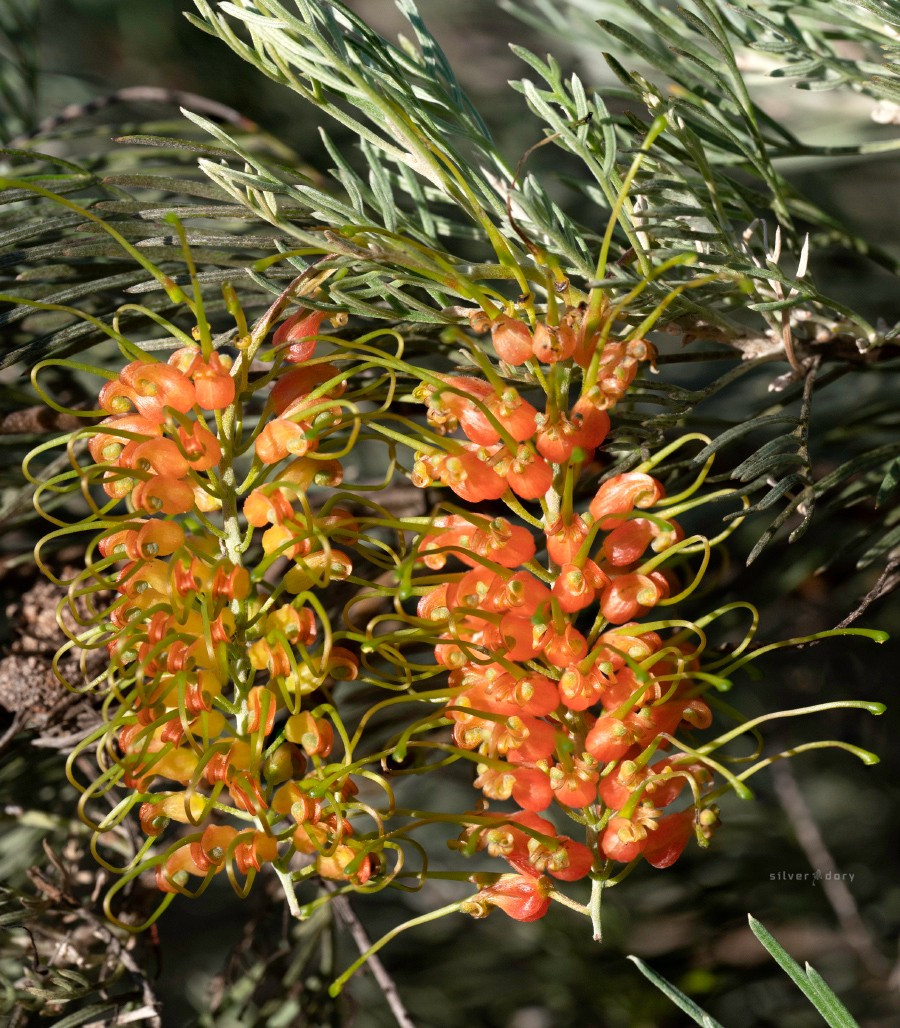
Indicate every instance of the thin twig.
{"type": "Point", "coordinates": [854, 929]}
{"type": "Point", "coordinates": [15, 726]}
{"type": "Point", "coordinates": [834, 345]}
{"type": "Point", "coordinates": [364, 943]}
{"type": "Point", "coordinates": [887, 582]}
{"type": "Point", "coordinates": [533, 248]}
{"type": "Point", "coordinates": [61, 742]}
{"type": "Point", "coordinates": [808, 499]}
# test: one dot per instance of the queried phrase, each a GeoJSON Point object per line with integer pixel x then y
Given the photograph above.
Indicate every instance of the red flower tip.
{"type": "Point", "coordinates": [666, 844]}
{"type": "Point", "coordinates": [520, 897]}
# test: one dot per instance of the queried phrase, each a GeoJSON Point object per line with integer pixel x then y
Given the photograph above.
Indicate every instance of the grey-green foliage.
{"type": "Point", "coordinates": [806, 39]}
{"type": "Point", "coordinates": [427, 211]}
{"type": "Point", "coordinates": [715, 167]}
{"type": "Point", "coordinates": [713, 174]}
{"type": "Point", "coordinates": [699, 189]}
{"type": "Point", "coordinates": [403, 101]}
{"type": "Point", "coordinates": [433, 171]}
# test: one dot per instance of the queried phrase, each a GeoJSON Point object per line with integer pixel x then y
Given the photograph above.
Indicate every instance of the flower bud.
{"type": "Point", "coordinates": [512, 340]}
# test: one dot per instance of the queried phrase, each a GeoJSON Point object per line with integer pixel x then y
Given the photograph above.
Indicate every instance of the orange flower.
{"type": "Point", "coordinates": [199, 446]}
{"type": "Point", "coordinates": [280, 438]}
{"type": "Point", "coordinates": [106, 446]}
{"type": "Point", "coordinates": [165, 494]}
{"type": "Point", "coordinates": [564, 538]}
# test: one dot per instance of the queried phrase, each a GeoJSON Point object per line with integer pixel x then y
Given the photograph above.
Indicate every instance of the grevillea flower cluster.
{"type": "Point", "coordinates": [563, 697]}
{"type": "Point", "coordinates": [251, 696]}
{"type": "Point", "coordinates": [205, 653]}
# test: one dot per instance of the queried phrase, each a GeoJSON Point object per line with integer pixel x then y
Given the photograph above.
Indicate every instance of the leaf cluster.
{"type": "Point", "coordinates": [429, 218]}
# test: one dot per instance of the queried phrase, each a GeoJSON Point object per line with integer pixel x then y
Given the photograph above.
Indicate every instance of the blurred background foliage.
{"type": "Point", "coordinates": [219, 962]}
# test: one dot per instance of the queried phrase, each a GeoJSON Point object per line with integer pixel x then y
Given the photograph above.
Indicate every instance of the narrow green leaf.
{"type": "Point", "coordinates": [96, 1011]}
{"type": "Point", "coordinates": [697, 1014]}
{"type": "Point", "coordinates": [736, 431]}
{"type": "Point", "coordinates": [817, 991]}
{"type": "Point", "coordinates": [882, 548]}
{"type": "Point", "coordinates": [889, 482]}
{"type": "Point", "coordinates": [838, 1014]}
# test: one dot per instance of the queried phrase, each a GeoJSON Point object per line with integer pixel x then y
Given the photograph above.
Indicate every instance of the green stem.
{"type": "Point", "coordinates": [338, 984]}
